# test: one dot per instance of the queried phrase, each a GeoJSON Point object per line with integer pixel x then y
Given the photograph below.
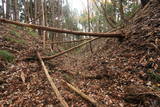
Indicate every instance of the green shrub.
{"type": "Point", "coordinates": [7, 56]}
{"type": "Point", "coordinates": [15, 33]}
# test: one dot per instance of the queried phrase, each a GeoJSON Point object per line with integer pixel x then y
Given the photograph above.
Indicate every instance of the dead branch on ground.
{"type": "Point", "coordinates": [63, 52]}
{"type": "Point", "coordinates": [59, 97]}
{"type": "Point", "coordinates": [83, 95]}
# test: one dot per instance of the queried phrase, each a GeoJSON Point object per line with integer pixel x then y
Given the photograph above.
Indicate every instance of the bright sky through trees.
{"type": "Point", "coordinates": [78, 4]}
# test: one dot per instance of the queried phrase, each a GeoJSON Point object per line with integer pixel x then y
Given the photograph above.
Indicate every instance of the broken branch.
{"type": "Point", "coordinates": [59, 97]}
{"type": "Point", "coordinates": [83, 95]}
{"type": "Point", "coordinates": [63, 52]}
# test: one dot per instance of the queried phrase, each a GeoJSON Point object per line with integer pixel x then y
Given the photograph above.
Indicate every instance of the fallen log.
{"type": "Point", "coordinates": [58, 54]}
{"type": "Point", "coordinates": [66, 51]}
{"type": "Point", "coordinates": [63, 52]}
{"type": "Point", "coordinates": [83, 95]}
{"type": "Point", "coordinates": [59, 97]}
{"type": "Point", "coordinates": [33, 26]}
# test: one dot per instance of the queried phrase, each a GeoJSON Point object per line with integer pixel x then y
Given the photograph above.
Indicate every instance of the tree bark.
{"type": "Point", "coordinates": [121, 11]}
{"type": "Point", "coordinates": [26, 9]}
{"type": "Point", "coordinates": [3, 11]}
{"type": "Point", "coordinates": [89, 24]}
{"type": "Point", "coordinates": [43, 23]}
{"type": "Point", "coordinates": [35, 12]}
{"type": "Point", "coordinates": [8, 7]}
{"type": "Point", "coordinates": [16, 11]}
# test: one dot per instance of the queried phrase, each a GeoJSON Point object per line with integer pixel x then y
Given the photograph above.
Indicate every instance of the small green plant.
{"type": "Point", "coordinates": [154, 76]}
{"type": "Point", "coordinates": [13, 25]}
{"type": "Point", "coordinates": [7, 56]}
{"type": "Point", "coordinates": [33, 34]}
{"type": "Point", "coordinates": [14, 33]}
{"type": "Point", "coordinates": [15, 40]}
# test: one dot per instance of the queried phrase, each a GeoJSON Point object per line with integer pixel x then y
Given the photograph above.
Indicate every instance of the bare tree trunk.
{"type": "Point", "coordinates": [46, 18]}
{"type": "Point", "coordinates": [15, 9]}
{"type": "Point", "coordinates": [3, 11]}
{"type": "Point", "coordinates": [8, 8]}
{"type": "Point", "coordinates": [43, 23]}
{"type": "Point", "coordinates": [52, 34]}
{"type": "Point", "coordinates": [31, 9]}
{"type": "Point", "coordinates": [89, 27]}
{"type": "Point", "coordinates": [89, 24]}
{"type": "Point", "coordinates": [121, 11]}
{"type": "Point", "coordinates": [26, 8]}
{"type": "Point", "coordinates": [103, 11]}
{"type": "Point", "coordinates": [35, 11]}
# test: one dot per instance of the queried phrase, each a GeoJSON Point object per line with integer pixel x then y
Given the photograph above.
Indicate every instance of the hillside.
{"type": "Point", "coordinates": [120, 73]}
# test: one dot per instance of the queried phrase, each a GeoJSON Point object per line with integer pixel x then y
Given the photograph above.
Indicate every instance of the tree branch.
{"type": "Point", "coordinates": [83, 95]}
{"type": "Point", "coordinates": [59, 97]}
{"type": "Point", "coordinates": [63, 52]}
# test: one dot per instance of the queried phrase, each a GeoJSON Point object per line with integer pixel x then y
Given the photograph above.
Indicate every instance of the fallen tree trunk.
{"type": "Point", "coordinates": [63, 52]}
{"type": "Point", "coordinates": [83, 95]}
{"type": "Point", "coordinates": [33, 26]}
{"type": "Point", "coordinates": [66, 51]}
{"type": "Point", "coordinates": [60, 53]}
{"type": "Point", "coordinates": [59, 97]}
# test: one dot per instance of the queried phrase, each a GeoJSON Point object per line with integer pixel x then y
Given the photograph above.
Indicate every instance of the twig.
{"type": "Point", "coordinates": [59, 97]}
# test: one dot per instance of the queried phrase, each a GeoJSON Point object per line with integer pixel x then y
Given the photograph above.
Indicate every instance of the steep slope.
{"type": "Point", "coordinates": [119, 74]}
{"type": "Point", "coordinates": [134, 63]}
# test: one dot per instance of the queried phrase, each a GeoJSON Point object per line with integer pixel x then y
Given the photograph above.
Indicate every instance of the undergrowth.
{"type": "Point", "coordinates": [13, 32]}
{"type": "Point", "coordinates": [33, 34]}
{"type": "Point", "coordinates": [7, 56]}
{"type": "Point", "coordinates": [154, 76]}
{"type": "Point", "coordinates": [15, 40]}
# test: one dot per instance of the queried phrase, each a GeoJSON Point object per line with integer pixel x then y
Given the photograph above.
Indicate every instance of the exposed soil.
{"type": "Point", "coordinates": [119, 73]}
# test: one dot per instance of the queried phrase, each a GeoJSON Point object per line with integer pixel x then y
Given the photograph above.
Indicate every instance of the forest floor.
{"type": "Point", "coordinates": [118, 74]}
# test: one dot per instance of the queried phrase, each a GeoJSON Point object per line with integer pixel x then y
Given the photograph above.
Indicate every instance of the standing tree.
{"type": "Point", "coordinates": [3, 8]}
{"type": "Point", "coordinates": [8, 9]}
{"type": "Point", "coordinates": [15, 10]}
{"type": "Point", "coordinates": [43, 22]}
